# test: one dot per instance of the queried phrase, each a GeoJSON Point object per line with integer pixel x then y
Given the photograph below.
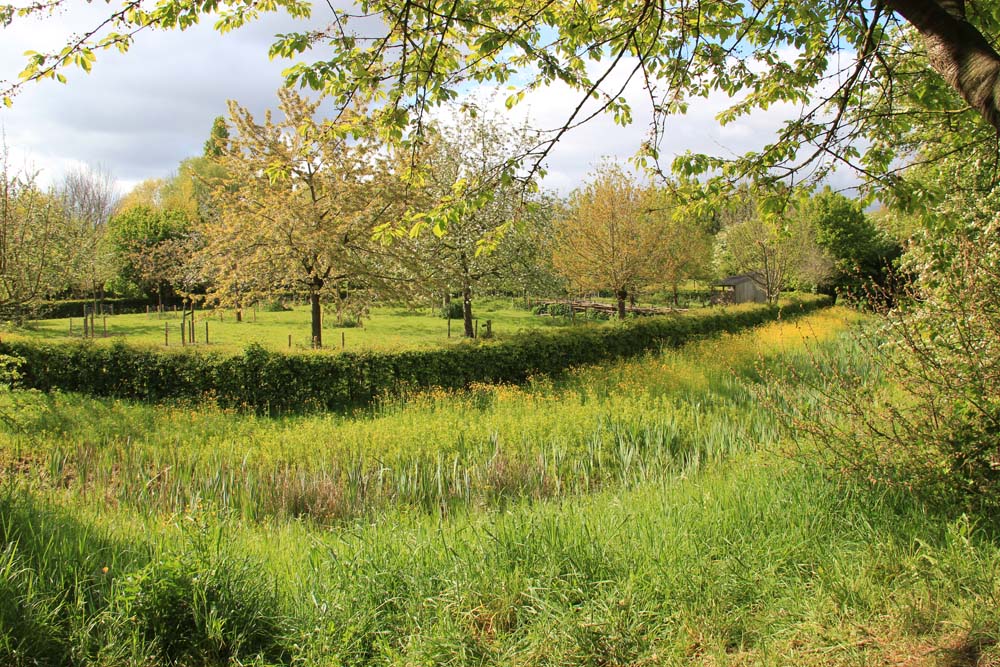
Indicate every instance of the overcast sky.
{"type": "Point", "coordinates": [141, 113]}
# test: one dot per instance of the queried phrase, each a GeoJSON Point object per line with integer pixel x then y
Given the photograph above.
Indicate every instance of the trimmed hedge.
{"type": "Point", "coordinates": [273, 382]}
{"type": "Point", "coordinates": [74, 307]}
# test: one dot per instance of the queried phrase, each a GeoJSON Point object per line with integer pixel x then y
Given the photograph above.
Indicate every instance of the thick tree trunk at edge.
{"type": "Point", "coordinates": [958, 51]}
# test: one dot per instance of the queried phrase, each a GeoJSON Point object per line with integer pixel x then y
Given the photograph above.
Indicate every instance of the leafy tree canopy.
{"type": "Point", "coordinates": [870, 77]}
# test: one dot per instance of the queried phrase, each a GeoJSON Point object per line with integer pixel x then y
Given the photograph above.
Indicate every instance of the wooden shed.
{"type": "Point", "coordinates": [738, 289]}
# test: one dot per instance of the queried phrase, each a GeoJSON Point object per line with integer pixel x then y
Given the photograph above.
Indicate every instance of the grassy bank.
{"type": "Point", "coordinates": [636, 513]}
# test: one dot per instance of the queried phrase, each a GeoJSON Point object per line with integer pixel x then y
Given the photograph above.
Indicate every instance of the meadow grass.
{"type": "Point", "coordinates": [622, 423]}
{"type": "Point", "coordinates": [646, 518]}
{"type": "Point", "coordinates": [388, 329]}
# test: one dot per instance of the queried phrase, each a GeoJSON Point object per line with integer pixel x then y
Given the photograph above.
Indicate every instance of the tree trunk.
{"type": "Point", "coordinates": [317, 321]}
{"type": "Point", "coordinates": [677, 301]}
{"type": "Point", "coordinates": [621, 295]}
{"type": "Point", "coordinates": [467, 310]}
{"type": "Point", "coordinates": [957, 51]}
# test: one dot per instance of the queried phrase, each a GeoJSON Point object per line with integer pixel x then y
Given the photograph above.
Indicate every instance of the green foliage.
{"type": "Point", "coordinates": [143, 225]}
{"type": "Point", "coordinates": [925, 398]}
{"type": "Point", "coordinates": [452, 311]}
{"type": "Point", "coordinates": [862, 255]}
{"type": "Point", "coordinates": [598, 315]}
{"type": "Point", "coordinates": [10, 371]}
{"type": "Point", "coordinates": [218, 138]}
{"type": "Point", "coordinates": [274, 306]}
{"type": "Point", "coordinates": [204, 605]}
{"type": "Point", "coordinates": [74, 307]}
{"type": "Point", "coordinates": [273, 382]}
{"type": "Point", "coordinates": [149, 245]}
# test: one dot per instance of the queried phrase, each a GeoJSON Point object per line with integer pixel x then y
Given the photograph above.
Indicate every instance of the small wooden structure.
{"type": "Point", "coordinates": [738, 289]}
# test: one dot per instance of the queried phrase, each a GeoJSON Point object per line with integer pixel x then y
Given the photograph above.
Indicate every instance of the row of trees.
{"type": "Point", "coordinates": [295, 205]}
{"type": "Point", "coordinates": [51, 239]}
{"type": "Point", "coordinates": [620, 236]}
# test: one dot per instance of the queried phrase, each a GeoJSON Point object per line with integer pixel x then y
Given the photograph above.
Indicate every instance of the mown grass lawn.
{"type": "Point", "coordinates": [388, 328]}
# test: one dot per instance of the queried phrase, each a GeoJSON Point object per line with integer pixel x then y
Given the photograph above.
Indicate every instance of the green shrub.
{"type": "Point", "coordinates": [452, 311]}
{"type": "Point", "coordinates": [205, 607]}
{"type": "Point", "coordinates": [348, 322]}
{"type": "Point", "coordinates": [598, 315]}
{"type": "Point", "coordinates": [560, 310]}
{"type": "Point", "coordinates": [273, 382]}
{"type": "Point", "coordinates": [74, 307]}
{"type": "Point", "coordinates": [273, 306]}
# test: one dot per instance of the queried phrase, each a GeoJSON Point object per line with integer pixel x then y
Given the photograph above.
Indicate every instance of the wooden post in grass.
{"type": "Point", "coordinates": [183, 333]}
{"type": "Point", "coordinates": [71, 326]}
{"type": "Point", "coordinates": [343, 341]}
{"type": "Point", "coordinates": [477, 329]}
{"type": "Point", "coordinates": [166, 334]}
{"type": "Point", "coordinates": [105, 326]}
{"type": "Point", "coordinates": [206, 332]}
{"type": "Point", "coordinates": [289, 341]}
{"type": "Point", "coordinates": [449, 325]}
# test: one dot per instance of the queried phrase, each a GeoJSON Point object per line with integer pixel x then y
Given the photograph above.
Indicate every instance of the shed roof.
{"type": "Point", "coordinates": [733, 281]}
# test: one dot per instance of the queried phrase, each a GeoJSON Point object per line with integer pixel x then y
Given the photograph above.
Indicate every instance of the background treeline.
{"type": "Point", "coordinates": [302, 208]}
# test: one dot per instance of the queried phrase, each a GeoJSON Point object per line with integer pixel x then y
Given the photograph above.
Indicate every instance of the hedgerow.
{"type": "Point", "coordinates": [273, 382]}
{"type": "Point", "coordinates": [75, 307]}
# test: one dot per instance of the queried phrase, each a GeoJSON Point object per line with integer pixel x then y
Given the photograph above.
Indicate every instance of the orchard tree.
{"type": "Point", "coordinates": [90, 199]}
{"type": "Point", "coordinates": [296, 208]}
{"type": "Point", "coordinates": [487, 240]}
{"type": "Point", "coordinates": [774, 248]}
{"type": "Point", "coordinates": [35, 241]}
{"type": "Point", "coordinates": [610, 238]}
{"type": "Point", "coordinates": [152, 246]}
{"type": "Point", "coordinates": [685, 249]}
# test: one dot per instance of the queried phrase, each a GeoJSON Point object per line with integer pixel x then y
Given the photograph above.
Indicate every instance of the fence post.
{"type": "Point", "coordinates": [166, 334]}
{"type": "Point", "coordinates": [206, 332]}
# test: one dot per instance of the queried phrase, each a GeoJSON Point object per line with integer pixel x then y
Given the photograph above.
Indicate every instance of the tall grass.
{"type": "Point", "coordinates": [622, 424]}
{"type": "Point", "coordinates": [761, 563]}
{"type": "Point", "coordinates": [633, 514]}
